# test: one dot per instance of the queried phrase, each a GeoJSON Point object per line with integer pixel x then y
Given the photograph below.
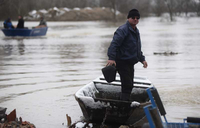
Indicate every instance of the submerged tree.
{"type": "Point", "coordinates": [170, 5]}
{"type": "Point", "coordinates": [186, 6]}
{"type": "Point", "coordinates": [196, 5]}
{"type": "Point", "coordinates": [111, 4]}
{"type": "Point", "coordinates": [158, 7]}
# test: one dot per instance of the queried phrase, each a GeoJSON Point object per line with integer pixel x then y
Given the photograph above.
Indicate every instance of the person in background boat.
{"type": "Point", "coordinates": [8, 24]}
{"type": "Point", "coordinates": [20, 22]}
{"type": "Point", "coordinates": [125, 51]}
{"type": "Point", "coordinates": [42, 23]}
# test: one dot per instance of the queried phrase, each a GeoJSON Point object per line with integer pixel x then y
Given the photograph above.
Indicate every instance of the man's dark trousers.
{"type": "Point", "coordinates": [126, 72]}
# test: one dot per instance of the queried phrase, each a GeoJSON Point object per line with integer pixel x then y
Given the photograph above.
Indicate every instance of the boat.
{"type": "Point", "coordinates": [100, 101]}
{"type": "Point", "coordinates": [25, 32]}
{"type": "Point", "coordinates": [155, 111]}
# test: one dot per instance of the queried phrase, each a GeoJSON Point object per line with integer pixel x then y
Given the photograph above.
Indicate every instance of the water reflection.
{"type": "Point", "coordinates": [7, 49]}
{"type": "Point", "coordinates": [21, 46]}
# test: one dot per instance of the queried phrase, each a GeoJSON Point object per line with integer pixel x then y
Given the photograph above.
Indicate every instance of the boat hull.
{"type": "Point", "coordinates": [120, 113]}
{"type": "Point", "coordinates": [25, 32]}
{"type": "Point", "coordinates": [100, 102]}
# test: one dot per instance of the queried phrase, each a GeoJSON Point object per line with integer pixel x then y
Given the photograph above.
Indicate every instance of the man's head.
{"type": "Point", "coordinates": [42, 18]}
{"type": "Point", "coordinates": [133, 17]}
{"type": "Point", "coordinates": [133, 13]}
{"type": "Point", "coordinates": [20, 17]}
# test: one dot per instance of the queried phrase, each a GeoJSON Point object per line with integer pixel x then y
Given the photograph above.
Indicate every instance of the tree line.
{"type": "Point", "coordinates": [13, 8]}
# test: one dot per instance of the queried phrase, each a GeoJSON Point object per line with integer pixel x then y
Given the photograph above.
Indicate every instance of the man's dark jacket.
{"type": "Point", "coordinates": [20, 23]}
{"type": "Point", "coordinates": [126, 45]}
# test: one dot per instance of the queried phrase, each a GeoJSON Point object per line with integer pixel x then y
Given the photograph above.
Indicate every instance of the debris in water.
{"type": "Point", "coordinates": [79, 124]}
{"type": "Point", "coordinates": [69, 121]}
{"type": "Point", "coordinates": [11, 120]}
{"type": "Point", "coordinates": [167, 53]}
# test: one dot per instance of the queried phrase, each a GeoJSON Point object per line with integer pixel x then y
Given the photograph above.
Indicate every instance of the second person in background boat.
{"type": "Point", "coordinates": [8, 24]}
{"type": "Point", "coordinates": [20, 22]}
{"type": "Point", "coordinates": [42, 23]}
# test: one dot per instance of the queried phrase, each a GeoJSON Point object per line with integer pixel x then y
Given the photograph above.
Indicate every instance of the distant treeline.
{"type": "Point", "coordinates": [13, 8]}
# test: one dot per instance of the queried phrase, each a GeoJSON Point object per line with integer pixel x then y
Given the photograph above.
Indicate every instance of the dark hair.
{"type": "Point", "coordinates": [132, 13]}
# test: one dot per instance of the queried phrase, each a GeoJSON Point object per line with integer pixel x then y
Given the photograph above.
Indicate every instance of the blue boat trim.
{"type": "Point", "coordinates": [25, 32]}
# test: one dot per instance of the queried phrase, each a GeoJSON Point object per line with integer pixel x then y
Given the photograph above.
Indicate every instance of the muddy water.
{"type": "Point", "coordinates": [39, 76]}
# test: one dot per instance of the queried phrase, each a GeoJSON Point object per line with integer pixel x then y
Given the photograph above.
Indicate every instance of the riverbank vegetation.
{"type": "Point", "coordinates": [13, 8]}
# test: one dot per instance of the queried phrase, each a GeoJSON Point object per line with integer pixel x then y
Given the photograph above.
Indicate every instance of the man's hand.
{"type": "Point", "coordinates": [111, 62]}
{"type": "Point", "coordinates": [144, 64]}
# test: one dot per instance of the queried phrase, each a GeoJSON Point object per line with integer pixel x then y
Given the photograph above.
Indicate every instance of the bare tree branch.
{"type": "Point", "coordinates": [170, 8]}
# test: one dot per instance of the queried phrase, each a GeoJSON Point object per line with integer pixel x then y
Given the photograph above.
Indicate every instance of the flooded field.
{"type": "Point", "coordinates": [39, 76]}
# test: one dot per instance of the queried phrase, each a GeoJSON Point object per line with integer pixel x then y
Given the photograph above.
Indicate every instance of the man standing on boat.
{"type": "Point", "coordinates": [125, 51]}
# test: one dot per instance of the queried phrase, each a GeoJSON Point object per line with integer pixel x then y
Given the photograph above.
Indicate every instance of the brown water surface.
{"type": "Point", "coordinates": [39, 76]}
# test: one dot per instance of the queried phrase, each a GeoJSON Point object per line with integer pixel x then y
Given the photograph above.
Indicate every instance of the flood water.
{"type": "Point", "coordinates": [39, 76]}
